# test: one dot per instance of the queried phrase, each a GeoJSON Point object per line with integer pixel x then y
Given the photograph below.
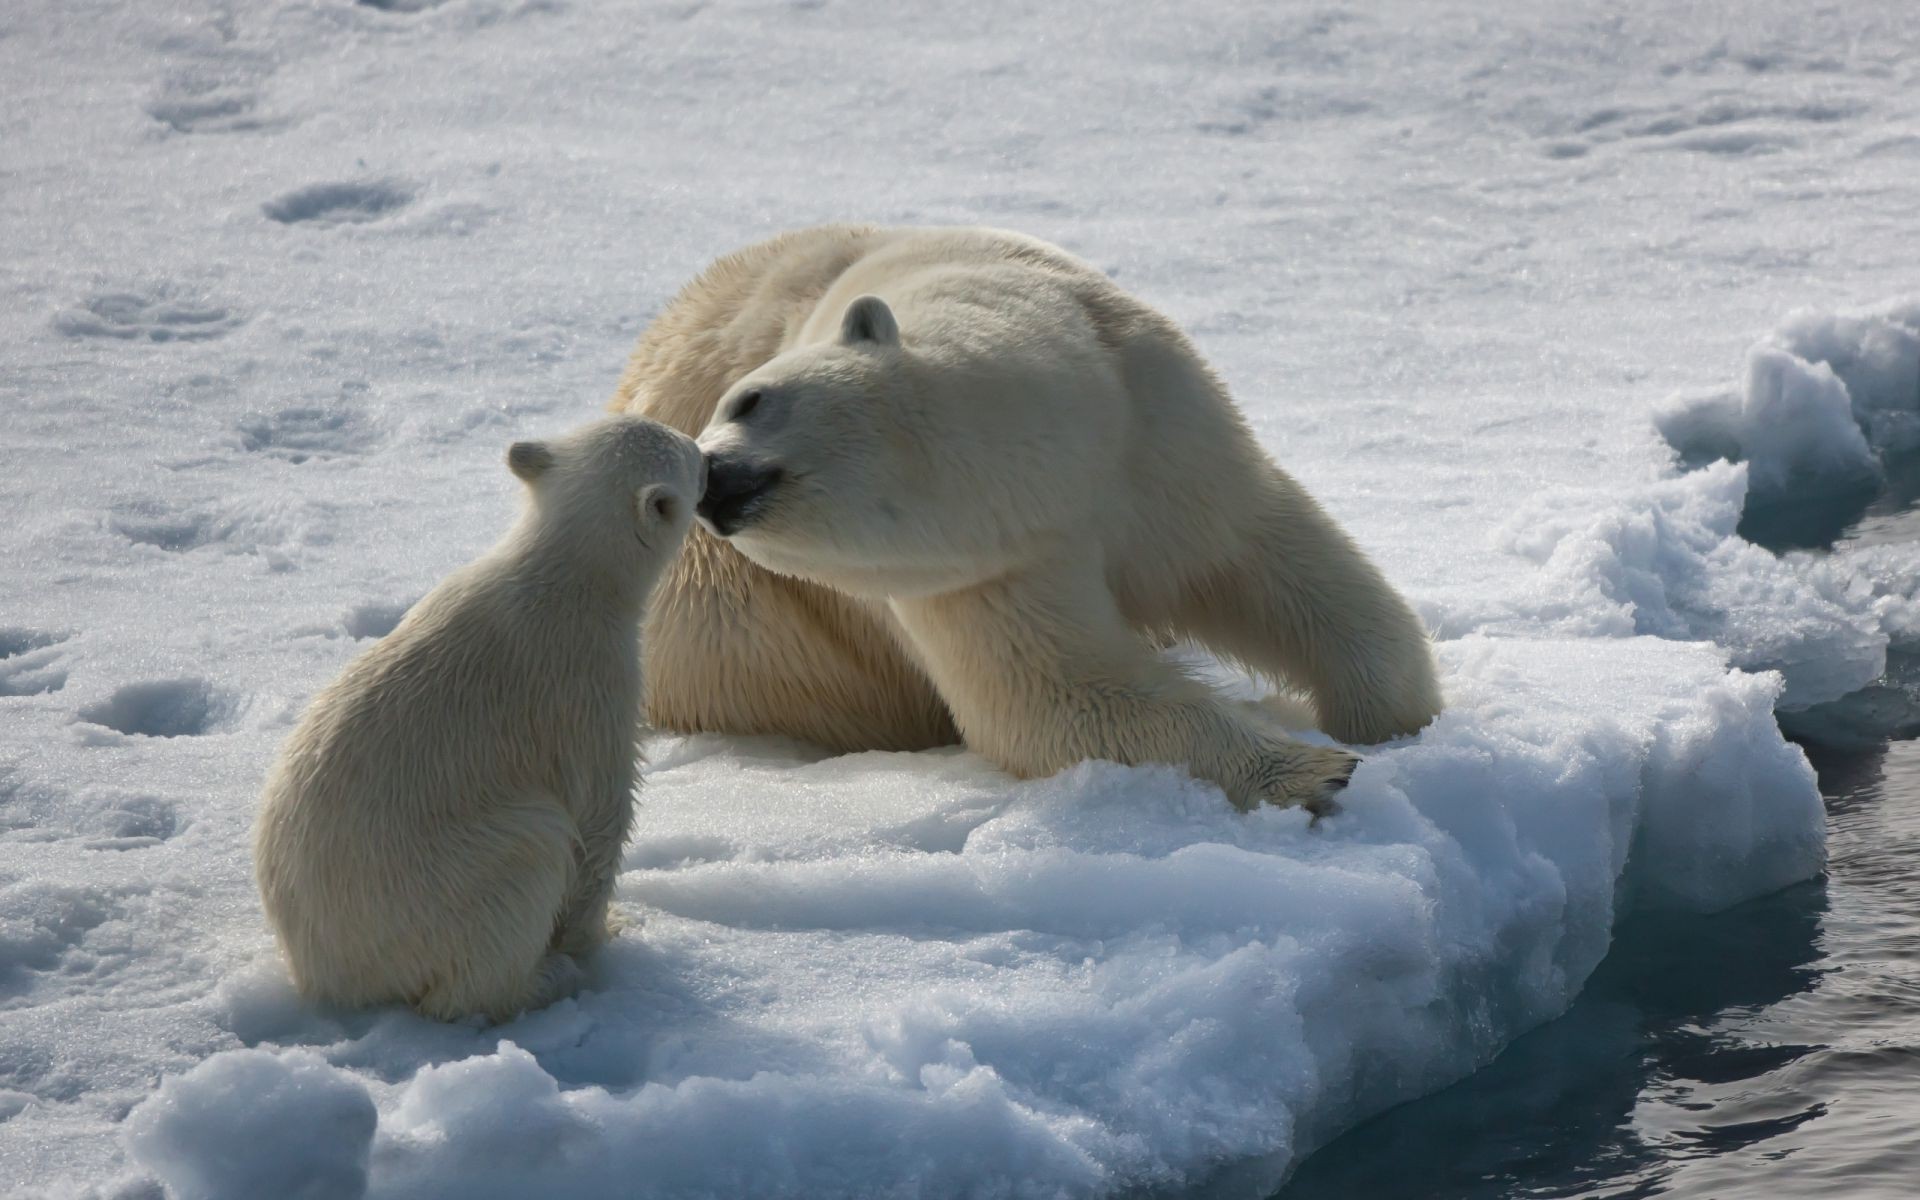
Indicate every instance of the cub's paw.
{"type": "Point", "coordinates": [558, 977]}
{"type": "Point", "coordinates": [1309, 776]}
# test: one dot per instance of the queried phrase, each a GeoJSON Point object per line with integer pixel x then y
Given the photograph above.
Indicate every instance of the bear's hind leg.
{"type": "Point", "coordinates": [1042, 671]}
{"type": "Point", "coordinates": [491, 955]}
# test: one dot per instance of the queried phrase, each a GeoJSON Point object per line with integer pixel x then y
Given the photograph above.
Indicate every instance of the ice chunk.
{"type": "Point", "coordinates": [1798, 427]}
{"type": "Point", "coordinates": [1829, 401]}
{"type": "Point", "coordinates": [910, 973]}
{"type": "Point", "coordinates": [255, 1123]}
{"type": "Point", "coordinates": [1732, 811]}
{"type": "Point", "coordinates": [1827, 396]}
{"type": "Point", "coordinates": [1875, 354]}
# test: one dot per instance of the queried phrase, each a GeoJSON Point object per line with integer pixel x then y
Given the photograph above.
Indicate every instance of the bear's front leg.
{"type": "Point", "coordinates": [583, 925]}
{"type": "Point", "coordinates": [1298, 602]}
{"type": "Point", "coordinates": [1041, 672]}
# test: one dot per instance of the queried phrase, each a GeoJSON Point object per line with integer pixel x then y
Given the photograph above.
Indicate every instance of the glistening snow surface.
{"type": "Point", "coordinates": [283, 279]}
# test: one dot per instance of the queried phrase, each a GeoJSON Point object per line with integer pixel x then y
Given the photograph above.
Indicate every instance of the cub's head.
{"type": "Point", "coordinates": [796, 451]}
{"type": "Point", "coordinates": [620, 490]}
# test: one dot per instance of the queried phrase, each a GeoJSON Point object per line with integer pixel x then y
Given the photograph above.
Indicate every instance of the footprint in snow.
{"type": "Point", "coordinates": [374, 620]}
{"type": "Point", "coordinates": [130, 822]}
{"type": "Point", "coordinates": [277, 528]}
{"type": "Point", "coordinates": [156, 525]}
{"type": "Point", "coordinates": [154, 316]}
{"type": "Point", "coordinates": [160, 708]}
{"type": "Point", "coordinates": [30, 663]}
{"type": "Point", "coordinates": [1728, 126]}
{"type": "Point", "coordinates": [200, 107]}
{"type": "Point", "coordinates": [342, 203]}
{"type": "Point", "coordinates": [300, 432]}
{"type": "Point", "coordinates": [43, 810]}
{"type": "Point", "coordinates": [48, 924]}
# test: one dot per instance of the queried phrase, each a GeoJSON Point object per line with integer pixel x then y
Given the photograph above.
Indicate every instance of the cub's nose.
{"type": "Point", "coordinates": [736, 492]}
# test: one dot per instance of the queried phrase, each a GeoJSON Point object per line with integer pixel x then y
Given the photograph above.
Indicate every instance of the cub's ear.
{"type": "Point", "coordinates": [658, 502]}
{"type": "Point", "coordinates": [529, 460]}
{"type": "Point", "coordinates": [869, 319]}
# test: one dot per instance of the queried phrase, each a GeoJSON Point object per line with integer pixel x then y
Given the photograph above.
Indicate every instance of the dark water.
{"type": "Point", "coordinates": [1772, 1050]}
{"type": "Point", "coordinates": [1861, 517]}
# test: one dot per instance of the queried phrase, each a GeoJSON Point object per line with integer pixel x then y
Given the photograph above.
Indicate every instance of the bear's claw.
{"type": "Point", "coordinates": [1309, 776]}
{"type": "Point", "coordinates": [1325, 804]}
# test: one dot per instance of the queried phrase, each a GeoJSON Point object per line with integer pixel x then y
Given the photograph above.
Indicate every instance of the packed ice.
{"type": "Point", "coordinates": [283, 280]}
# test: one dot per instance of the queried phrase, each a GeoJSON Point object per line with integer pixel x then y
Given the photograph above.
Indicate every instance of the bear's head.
{"type": "Point", "coordinates": [801, 427]}
{"type": "Point", "coordinates": [888, 466]}
{"type": "Point", "coordinates": [816, 461]}
{"type": "Point", "coordinates": [616, 494]}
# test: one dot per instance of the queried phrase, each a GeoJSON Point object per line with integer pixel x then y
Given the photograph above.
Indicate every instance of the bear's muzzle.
{"type": "Point", "coordinates": [735, 493]}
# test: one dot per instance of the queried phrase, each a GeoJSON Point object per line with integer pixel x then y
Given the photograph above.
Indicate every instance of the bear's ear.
{"type": "Point", "coordinates": [529, 460]}
{"type": "Point", "coordinates": [869, 319]}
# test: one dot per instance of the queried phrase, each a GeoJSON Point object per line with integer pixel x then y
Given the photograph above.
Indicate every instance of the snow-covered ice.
{"type": "Point", "coordinates": [283, 279]}
{"type": "Point", "coordinates": [1826, 397]}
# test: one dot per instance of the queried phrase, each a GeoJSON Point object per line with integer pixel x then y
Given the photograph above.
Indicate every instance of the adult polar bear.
{"type": "Point", "coordinates": [965, 480]}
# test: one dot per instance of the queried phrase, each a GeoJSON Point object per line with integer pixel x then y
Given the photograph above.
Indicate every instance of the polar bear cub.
{"type": "Point", "coordinates": [444, 825]}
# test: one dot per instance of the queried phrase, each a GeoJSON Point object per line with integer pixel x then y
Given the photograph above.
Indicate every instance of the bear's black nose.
{"type": "Point", "coordinates": [736, 492]}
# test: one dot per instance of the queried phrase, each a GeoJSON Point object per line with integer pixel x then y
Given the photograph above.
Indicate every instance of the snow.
{"type": "Point", "coordinates": [282, 280]}
{"type": "Point", "coordinates": [255, 1099]}
{"type": "Point", "coordinates": [1666, 559]}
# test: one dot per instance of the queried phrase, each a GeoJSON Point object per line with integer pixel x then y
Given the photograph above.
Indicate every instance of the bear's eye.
{"type": "Point", "coordinates": [665, 505]}
{"type": "Point", "coordinates": [745, 404]}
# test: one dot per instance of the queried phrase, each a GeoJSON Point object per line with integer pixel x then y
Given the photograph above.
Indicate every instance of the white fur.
{"type": "Point", "coordinates": [1003, 483]}
{"type": "Point", "coordinates": [444, 825]}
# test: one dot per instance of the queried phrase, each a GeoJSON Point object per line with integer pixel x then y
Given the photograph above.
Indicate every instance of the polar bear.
{"type": "Point", "coordinates": [443, 826]}
{"type": "Point", "coordinates": [959, 482]}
